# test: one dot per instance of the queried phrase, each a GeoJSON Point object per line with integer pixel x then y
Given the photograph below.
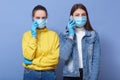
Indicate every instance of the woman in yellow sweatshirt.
{"type": "Point", "coordinates": [40, 48]}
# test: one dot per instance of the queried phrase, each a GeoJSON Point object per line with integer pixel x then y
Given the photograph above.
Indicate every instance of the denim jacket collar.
{"type": "Point", "coordinates": [87, 33]}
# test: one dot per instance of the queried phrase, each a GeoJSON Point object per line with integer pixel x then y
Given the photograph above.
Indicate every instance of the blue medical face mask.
{"type": "Point", "coordinates": [41, 23]}
{"type": "Point", "coordinates": [80, 21]}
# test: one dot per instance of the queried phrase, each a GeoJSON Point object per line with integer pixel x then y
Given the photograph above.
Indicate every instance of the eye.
{"type": "Point", "coordinates": [37, 17]}
{"type": "Point", "coordinates": [84, 14]}
{"type": "Point", "coordinates": [43, 17]}
{"type": "Point", "coordinates": [77, 15]}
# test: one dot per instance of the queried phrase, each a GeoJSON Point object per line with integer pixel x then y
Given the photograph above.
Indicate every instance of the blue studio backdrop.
{"type": "Point", "coordinates": [15, 19]}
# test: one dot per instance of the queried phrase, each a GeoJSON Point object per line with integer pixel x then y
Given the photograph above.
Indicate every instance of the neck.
{"type": "Point", "coordinates": [41, 29]}
{"type": "Point", "coordinates": [80, 29]}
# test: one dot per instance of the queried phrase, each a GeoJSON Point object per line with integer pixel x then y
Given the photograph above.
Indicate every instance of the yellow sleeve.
{"type": "Point", "coordinates": [29, 46]}
{"type": "Point", "coordinates": [53, 56]}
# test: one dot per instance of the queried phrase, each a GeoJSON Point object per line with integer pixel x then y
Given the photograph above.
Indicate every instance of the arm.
{"type": "Point", "coordinates": [96, 60]}
{"type": "Point", "coordinates": [29, 46]}
{"type": "Point", "coordinates": [66, 46]}
{"type": "Point", "coordinates": [67, 42]}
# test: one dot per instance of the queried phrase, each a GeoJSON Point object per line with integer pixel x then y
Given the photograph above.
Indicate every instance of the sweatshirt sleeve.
{"type": "Point", "coordinates": [29, 45]}
{"type": "Point", "coordinates": [66, 46]}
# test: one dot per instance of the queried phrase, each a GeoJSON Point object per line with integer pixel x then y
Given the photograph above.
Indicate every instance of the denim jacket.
{"type": "Point", "coordinates": [90, 52]}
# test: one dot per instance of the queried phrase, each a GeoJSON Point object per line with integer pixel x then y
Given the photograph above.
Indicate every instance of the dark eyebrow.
{"type": "Point", "coordinates": [41, 17]}
{"type": "Point", "coordinates": [84, 14]}
{"type": "Point", "coordinates": [38, 17]}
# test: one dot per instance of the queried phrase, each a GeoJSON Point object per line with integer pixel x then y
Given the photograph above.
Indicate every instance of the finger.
{"type": "Point", "coordinates": [73, 22]}
{"type": "Point", "coordinates": [70, 21]}
{"type": "Point", "coordinates": [35, 23]}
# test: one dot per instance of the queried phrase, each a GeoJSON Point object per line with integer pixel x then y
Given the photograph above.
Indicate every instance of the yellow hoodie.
{"type": "Point", "coordinates": [42, 50]}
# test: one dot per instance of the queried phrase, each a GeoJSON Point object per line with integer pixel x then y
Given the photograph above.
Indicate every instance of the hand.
{"type": "Point", "coordinates": [26, 61]}
{"type": "Point", "coordinates": [70, 26]}
{"type": "Point", "coordinates": [33, 29]}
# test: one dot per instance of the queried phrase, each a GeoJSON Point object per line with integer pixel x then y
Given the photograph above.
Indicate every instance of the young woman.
{"type": "Point", "coordinates": [80, 47]}
{"type": "Point", "coordinates": [40, 48]}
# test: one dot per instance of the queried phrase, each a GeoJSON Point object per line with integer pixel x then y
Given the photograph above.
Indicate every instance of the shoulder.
{"type": "Point", "coordinates": [91, 36]}
{"type": "Point", "coordinates": [93, 33]}
{"type": "Point", "coordinates": [53, 33]}
{"type": "Point", "coordinates": [27, 34]}
{"type": "Point", "coordinates": [63, 34]}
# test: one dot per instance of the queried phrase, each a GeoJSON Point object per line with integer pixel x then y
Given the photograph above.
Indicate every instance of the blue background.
{"type": "Point", "coordinates": [15, 19]}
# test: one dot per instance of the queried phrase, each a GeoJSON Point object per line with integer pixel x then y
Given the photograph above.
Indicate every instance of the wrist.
{"type": "Point", "coordinates": [34, 37]}
{"type": "Point", "coordinates": [71, 33]}
{"type": "Point", "coordinates": [70, 37]}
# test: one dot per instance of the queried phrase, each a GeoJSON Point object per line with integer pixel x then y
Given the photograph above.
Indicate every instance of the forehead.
{"type": "Point", "coordinates": [80, 11]}
{"type": "Point", "coordinates": [40, 13]}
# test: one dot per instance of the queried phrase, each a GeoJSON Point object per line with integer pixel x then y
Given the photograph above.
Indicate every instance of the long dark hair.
{"type": "Point", "coordinates": [81, 6]}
